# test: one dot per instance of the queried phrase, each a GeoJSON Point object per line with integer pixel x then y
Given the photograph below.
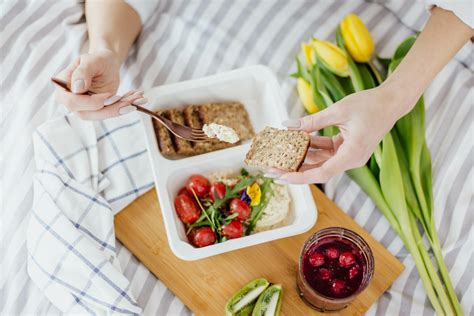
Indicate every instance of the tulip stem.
{"type": "Point", "coordinates": [376, 72]}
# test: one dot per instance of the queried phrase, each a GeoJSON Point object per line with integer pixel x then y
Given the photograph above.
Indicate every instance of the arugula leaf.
{"type": "Point", "coordinates": [231, 217]}
{"type": "Point", "coordinates": [213, 227]}
{"type": "Point", "coordinates": [196, 224]}
{"type": "Point", "coordinates": [257, 210]}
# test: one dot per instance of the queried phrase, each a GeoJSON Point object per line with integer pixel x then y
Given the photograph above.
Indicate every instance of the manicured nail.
{"type": "Point", "coordinates": [134, 91]}
{"type": "Point", "coordinates": [140, 101]}
{"type": "Point", "coordinates": [281, 181]}
{"type": "Point", "coordinates": [294, 123]}
{"type": "Point", "coordinates": [271, 175]}
{"type": "Point", "coordinates": [78, 85]}
{"type": "Point", "coordinates": [112, 100]}
{"type": "Point", "coordinates": [127, 109]}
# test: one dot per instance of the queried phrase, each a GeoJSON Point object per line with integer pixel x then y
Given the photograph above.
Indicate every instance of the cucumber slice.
{"type": "Point", "coordinates": [242, 302]}
{"type": "Point", "coordinates": [269, 303]}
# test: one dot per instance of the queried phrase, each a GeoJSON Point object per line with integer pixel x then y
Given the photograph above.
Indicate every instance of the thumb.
{"type": "Point", "coordinates": [81, 78]}
{"type": "Point", "coordinates": [325, 118]}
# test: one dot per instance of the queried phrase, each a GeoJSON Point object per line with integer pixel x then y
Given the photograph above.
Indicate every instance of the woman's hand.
{"type": "Point", "coordinates": [363, 119]}
{"type": "Point", "coordinates": [97, 72]}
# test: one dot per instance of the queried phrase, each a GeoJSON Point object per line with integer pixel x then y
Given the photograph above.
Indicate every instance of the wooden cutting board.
{"type": "Point", "coordinates": [205, 285]}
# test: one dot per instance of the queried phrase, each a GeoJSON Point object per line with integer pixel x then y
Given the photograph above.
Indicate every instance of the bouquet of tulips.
{"type": "Point", "coordinates": [397, 176]}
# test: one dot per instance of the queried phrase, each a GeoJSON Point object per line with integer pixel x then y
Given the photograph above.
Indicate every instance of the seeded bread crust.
{"type": "Point", "coordinates": [165, 142]}
{"type": "Point", "coordinates": [232, 114]}
{"type": "Point", "coordinates": [182, 146]}
{"type": "Point", "coordinates": [278, 148]}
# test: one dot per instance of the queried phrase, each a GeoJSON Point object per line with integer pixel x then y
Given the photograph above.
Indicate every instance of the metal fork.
{"type": "Point", "coordinates": [181, 131]}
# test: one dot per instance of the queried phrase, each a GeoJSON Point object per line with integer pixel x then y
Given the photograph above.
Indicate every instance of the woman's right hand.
{"type": "Point", "coordinates": [98, 72]}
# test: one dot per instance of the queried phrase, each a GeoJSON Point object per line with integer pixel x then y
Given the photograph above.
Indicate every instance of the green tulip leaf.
{"type": "Point", "coordinates": [366, 76]}
{"type": "Point", "coordinates": [384, 61]}
{"type": "Point", "coordinates": [404, 47]}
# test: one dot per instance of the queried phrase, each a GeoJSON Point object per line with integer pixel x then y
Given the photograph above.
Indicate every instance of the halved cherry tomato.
{"type": "Point", "coordinates": [218, 189]}
{"type": "Point", "coordinates": [234, 229]}
{"type": "Point", "coordinates": [240, 207]}
{"type": "Point", "coordinates": [199, 184]}
{"type": "Point", "coordinates": [202, 236]}
{"type": "Point", "coordinates": [187, 208]}
{"type": "Point", "coordinates": [183, 190]}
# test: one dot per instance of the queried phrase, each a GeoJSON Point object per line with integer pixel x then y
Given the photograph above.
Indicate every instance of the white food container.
{"type": "Point", "coordinates": [257, 88]}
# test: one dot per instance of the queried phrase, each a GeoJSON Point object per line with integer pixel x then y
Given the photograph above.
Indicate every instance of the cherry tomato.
{"type": "Point", "coordinates": [234, 229]}
{"type": "Point", "coordinates": [202, 236]}
{"type": "Point", "coordinates": [187, 208]}
{"type": "Point", "coordinates": [240, 207]}
{"type": "Point", "coordinates": [199, 184]}
{"type": "Point", "coordinates": [218, 189]}
{"type": "Point", "coordinates": [184, 191]}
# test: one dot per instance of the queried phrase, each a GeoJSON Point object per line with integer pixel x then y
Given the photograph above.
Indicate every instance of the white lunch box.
{"type": "Point", "coordinates": [257, 88]}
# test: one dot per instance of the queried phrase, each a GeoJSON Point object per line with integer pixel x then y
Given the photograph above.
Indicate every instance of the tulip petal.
{"type": "Point", "coordinates": [357, 38]}
{"type": "Point", "coordinates": [306, 96]}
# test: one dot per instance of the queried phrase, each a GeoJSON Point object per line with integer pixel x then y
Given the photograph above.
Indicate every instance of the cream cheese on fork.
{"type": "Point", "coordinates": [221, 132]}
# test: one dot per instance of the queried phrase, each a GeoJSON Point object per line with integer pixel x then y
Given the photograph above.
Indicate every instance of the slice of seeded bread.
{"type": "Point", "coordinates": [232, 114]}
{"type": "Point", "coordinates": [278, 148]}
{"type": "Point", "coordinates": [183, 147]}
{"type": "Point", "coordinates": [164, 138]}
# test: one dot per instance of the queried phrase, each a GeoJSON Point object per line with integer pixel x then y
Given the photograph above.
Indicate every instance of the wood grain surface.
{"type": "Point", "coordinates": [205, 285]}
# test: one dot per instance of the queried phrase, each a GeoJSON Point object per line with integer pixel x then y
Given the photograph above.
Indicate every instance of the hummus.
{"type": "Point", "coordinates": [221, 132]}
{"type": "Point", "coordinates": [277, 211]}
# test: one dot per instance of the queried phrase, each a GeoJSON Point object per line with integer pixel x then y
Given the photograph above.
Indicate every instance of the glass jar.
{"type": "Point", "coordinates": [335, 266]}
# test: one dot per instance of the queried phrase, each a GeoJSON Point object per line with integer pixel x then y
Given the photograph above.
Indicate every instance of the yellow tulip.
{"type": "Point", "coordinates": [308, 52]}
{"type": "Point", "coordinates": [357, 38]}
{"type": "Point", "coordinates": [332, 57]}
{"type": "Point", "coordinates": [306, 96]}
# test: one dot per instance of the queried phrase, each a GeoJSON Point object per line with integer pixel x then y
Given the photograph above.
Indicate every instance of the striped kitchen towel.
{"type": "Point", "coordinates": [86, 172]}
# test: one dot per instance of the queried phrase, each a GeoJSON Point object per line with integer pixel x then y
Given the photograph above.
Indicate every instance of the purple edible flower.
{"type": "Point", "coordinates": [244, 197]}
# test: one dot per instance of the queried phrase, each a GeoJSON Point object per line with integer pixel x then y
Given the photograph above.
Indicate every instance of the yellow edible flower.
{"type": "Point", "coordinates": [254, 192]}
{"type": "Point", "coordinates": [332, 57]}
{"type": "Point", "coordinates": [306, 96]}
{"type": "Point", "coordinates": [357, 38]}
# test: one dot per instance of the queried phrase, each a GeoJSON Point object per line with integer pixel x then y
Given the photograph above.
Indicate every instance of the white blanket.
{"type": "Point", "coordinates": [189, 39]}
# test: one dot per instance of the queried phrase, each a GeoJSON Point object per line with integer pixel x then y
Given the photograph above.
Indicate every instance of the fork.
{"type": "Point", "coordinates": [181, 131]}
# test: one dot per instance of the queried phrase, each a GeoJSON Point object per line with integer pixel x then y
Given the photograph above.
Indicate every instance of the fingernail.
{"type": "Point", "coordinates": [280, 181]}
{"type": "Point", "coordinates": [78, 85]}
{"type": "Point", "coordinates": [112, 100]}
{"type": "Point", "coordinates": [140, 101]}
{"type": "Point", "coordinates": [127, 109]}
{"type": "Point", "coordinates": [271, 175]}
{"type": "Point", "coordinates": [294, 123]}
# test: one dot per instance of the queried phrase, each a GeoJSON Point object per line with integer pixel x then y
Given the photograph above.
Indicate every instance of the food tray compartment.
{"type": "Point", "coordinates": [257, 88]}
